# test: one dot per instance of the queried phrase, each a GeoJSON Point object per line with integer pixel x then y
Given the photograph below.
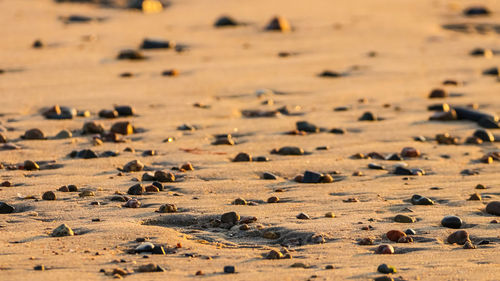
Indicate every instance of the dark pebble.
{"type": "Point", "coordinates": [269, 176]}
{"type": "Point", "coordinates": [229, 269]}
{"type": "Point", "coordinates": [6, 208]}
{"type": "Point", "coordinates": [225, 21]}
{"type": "Point", "coordinates": [156, 44]}
{"type": "Point", "coordinates": [421, 200]}
{"type": "Point", "coordinates": [451, 222]}
{"type": "Point", "coordinates": [243, 157]}
{"type": "Point", "coordinates": [493, 208]}
{"type": "Point", "coordinates": [311, 177]}
{"type": "Point", "coordinates": [130, 55]}
{"type": "Point", "coordinates": [368, 116]}
{"type": "Point", "coordinates": [410, 231]}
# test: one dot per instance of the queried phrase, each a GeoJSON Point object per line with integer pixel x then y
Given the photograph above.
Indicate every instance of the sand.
{"type": "Point", "coordinates": [223, 68]}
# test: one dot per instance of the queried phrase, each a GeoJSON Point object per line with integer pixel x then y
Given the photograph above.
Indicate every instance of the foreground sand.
{"type": "Point", "coordinates": [223, 69]}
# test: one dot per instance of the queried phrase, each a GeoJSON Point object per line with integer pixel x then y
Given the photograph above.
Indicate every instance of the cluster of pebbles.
{"type": "Point", "coordinates": [143, 176]}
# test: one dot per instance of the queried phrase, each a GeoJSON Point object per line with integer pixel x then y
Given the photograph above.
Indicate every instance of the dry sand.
{"type": "Point", "coordinates": [223, 68]}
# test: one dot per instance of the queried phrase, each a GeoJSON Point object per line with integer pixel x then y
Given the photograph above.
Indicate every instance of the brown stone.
{"type": "Point", "coordinates": [123, 128]}
{"type": "Point", "coordinates": [49, 195]}
{"type": "Point", "coordinates": [395, 235]}
{"type": "Point", "coordinates": [458, 237]}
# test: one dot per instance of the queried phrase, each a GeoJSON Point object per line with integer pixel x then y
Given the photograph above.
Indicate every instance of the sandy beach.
{"type": "Point", "coordinates": [340, 61]}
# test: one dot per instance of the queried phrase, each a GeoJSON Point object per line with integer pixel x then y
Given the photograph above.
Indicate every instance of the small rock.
{"type": "Point", "coordinates": [404, 219]}
{"type": "Point", "coordinates": [274, 255]}
{"type": "Point", "coordinates": [239, 201]}
{"type": "Point", "coordinates": [375, 166]}
{"type": "Point", "coordinates": [230, 217]}
{"type": "Point", "coordinates": [39, 267]}
{"type": "Point", "coordinates": [410, 231]}
{"type": "Point", "coordinates": [289, 150]}
{"type": "Point", "coordinates": [133, 203]}
{"type": "Point", "coordinates": [475, 197]}
{"type": "Point", "coordinates": [493, 208]}
{"type": "Point", "coordinates": [30, 165]}
{"type": "Point", "coordinates": [307, 127]}
{"type": "Point", "coordinates": [167, 208]}
{"type": "Point", "coordinates": [6, 208]}
{"type": "Point", "coordinates": [93, 128]}
{"type": "Point", "coordinates": [421, 200]}
{"type": "Point", "coordinates": [229, 269]}
{"type": "Point", "coordinates": [62, 230]}
{"type": "Point", "coordinates": [243, 157]}
{"type": "Point", "coordinates": [133, 166]}
{"type": "Point", "coordinates": [136, 189]}
{"type": "Point", "coordinates": [395, 235]}
{"type": "Point", "coordinates": [86, 193]}
{"type": "Point", "coordinates": [384, 249]}
{"type": "Point", "coordinates": [34, 134]}
{"type": "Point", "coordinates": [303, 216]}
{"type": "Point", "coordinates": [150, 268]}
{"type": "Point", "coordinates": [273, 199]}
{"type": "Point", "coordinates": [123, 128]}
{"type": "Point", "coordinates": [269, 176]}
{"type": "Point", "coordinates": [484, 135]}
{"type": "Point", "coordinates": [451, 222]}
{"type": "Point", "coordinates": [225, 21]}
{"type": "Point", "coordinates": [329, 214]}
{"type": "Point", "coordinates": [366, 241]}
{"type": "Point", "coordinates": [125, 110]}
{"type": "Point", "coordinates": [468, 245]}
{"type": "Point", "coordinates": [410, 152]}
{"type": "Point", "coordinates": [105, 113]}
{"type": "Point", "coordinates": [162, 176]}
{"type": "Point", "coordinates": [130, 54]}
{"type": "Point", "coordinates": [279, 23]}
{"type": "Point", "coordinates": [311, 177]}
{"type": "Point", "coordinates": [458, 237]}
{"type": "Point", "coordinates": [438, 93]}
{"type": "Point", "coordinates": [49, 195]}
{"type": "Point", "coordinates": [384, 268]}
{"type": "Point", "coordinates": [476, 11]}
{"type": "Point", "coordinates": [64, 134]}
{"type": "Point", "coordinates": [368, 116]}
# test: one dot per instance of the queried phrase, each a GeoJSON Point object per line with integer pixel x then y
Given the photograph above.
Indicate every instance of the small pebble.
{"type": "Point", "coordinates": [451, 222]}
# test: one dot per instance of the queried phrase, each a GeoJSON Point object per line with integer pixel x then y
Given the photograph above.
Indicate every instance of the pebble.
{"type": "Point", "coordinates": [306, 127]}
{"type": "Point", "coordinates": [243, 157]}
{"type": "Point", "coordinates": [223, 140]}
{"type": "Point", "coordinates": [269, 176]}
{"type": "Point", "coordinates": [187, 167]}
{"type": "Point", "coordinates": [39, 267]}
{"type": "Point", "coordinates": [393, 157]}
{"type": "Point", "coordinates": [468, 245]}
{"type": "Point", "coordinates": [375, 166]}
{"type": "Point", "coordinates": [274, 255]}
{"type": "Point", "coordinates": [162, 176]}
{"type": "Point", "coordinates": [410, 231]}
{"type": "Point", "coordinates": [476, 11]}
{"type": "Point", "coordinates": [303, 216]}
{"type": "Point", "coordinates": [330, 74]}
{"type": "Point", "coordinates": [6, 208]}
{"type": "Point", "coordinates": [493, 208]}
{"type": "Point", "coordinates": [395, 235]}
{"type": "Point", "coordinates": [62, 230]}
{"type": "Point", "coordinates": [105, 113]}
{"type": "Point", "coordinates": [133, 166]}
{"type": "Point", "coordinates": [438, 93]}
{"type": "Point", "coordinates": [152, 188]}
{"type": "Point", "coordinates": [230, 217]}
{"type": "Point", "coordinates": [229, 269]}
{"type": "Point", "coordinates": [410, 152]}
{"type": "Point", "coordinates": [86, 193]}
{"type": "Point", "coordinates": [123, 128]}
{"type": "Point", "coordinates": [92, 128]}
{"type": "Point", "coordinates": [338, 131]}
{"type": "Point", "coordinates": [383, 278]}
{"type": "Point", "coordinates": [151, 267]}
{"type": "Point", "coordinates": [279, 23]}
{"type": "Point", "coordinates": [404, 219]}
{"type": "Point", "coordinates": [288, 150]}
{"type": "Point", "coordinates": [421, 200]}
{"type": "Point", "coordinates": [167, 208]}
{"type": "Point", "coordinates": [136, 189]}
{"type": "Point", "coordinates": [6, 184]}
{"type": "Point", "coordinates": [64, 134]}
{"type": "Point", "coordinates": [311, 177]}
{"type": "Point", "coordinates": [484, 135]}
{"type": "Point", "coordinates": [86, 154]}
{"type": "Point", "coordinates": [384, 268]}
{"type": "Point", "coordinates": [480, 186]}
{"type": "Point", "coordinates": [366, 241]}
{"type": "Point", "coordinates": [49, 195]}
{"type": "Point", "coordinates": [3, 139]}
{"type": "Point", "coordinates": [170, 72]}
{"type": "Point", "coordinates": [133, 203]}
{"type": "Point", "coordinates": [129, 54]}
{"type": "Point", "coordinates": [30, 165]}
{"type": "Point", "coordinates": [475, 197]}
{"type": "Point", "coordinates": [225, 21]}
{"type": "Point", "coordinates": [157, 44]}
{"type": "Point", "coordinates": [451, 222]}
{"type": "Point", "coordinates": [329, 214]}
{"type": "Point", "coordinates": [34, 134]}
{"type": "Point", "coordinates": [273, 199]}
{"type": "Point", "coordinates": [125, 110]}
{"type": "Point", "coordinates": [239, 201]}
{"type": "Point", "coordinates": [37, 44]}
{"type": "Point", "coordinates": [149, 152]}
{"type": "Point", "coordinates": [384, 249]}
{"type": "Point", "coordinates": [368, 116]}
{"type": "Point", "coordinates": [458, 237]}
